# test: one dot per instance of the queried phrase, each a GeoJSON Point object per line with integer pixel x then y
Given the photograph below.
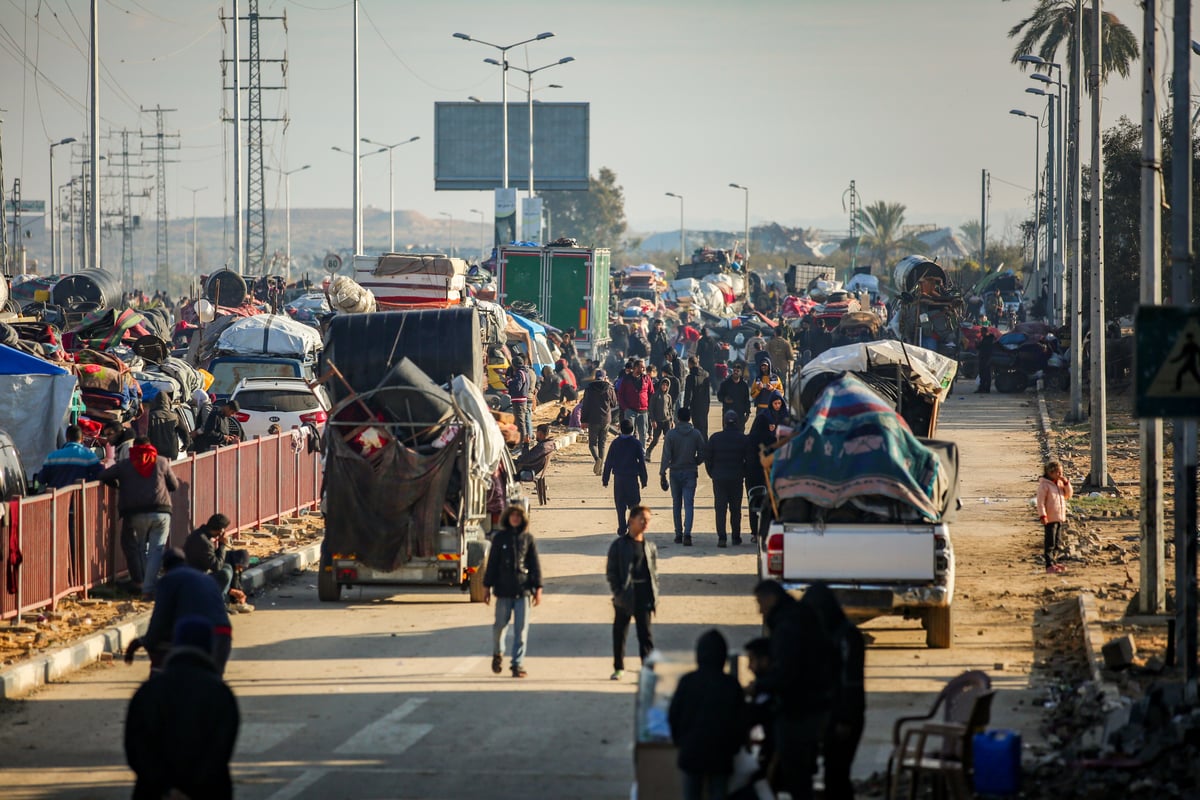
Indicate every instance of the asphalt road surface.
{"type": "Point", "coordinates": [390, 694]}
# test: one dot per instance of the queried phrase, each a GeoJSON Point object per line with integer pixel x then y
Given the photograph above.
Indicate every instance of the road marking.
{"type": "Point", "coordinates": [388, 734]}
{"type": "Point", "coordinates": [466, 665]}
{"type": "Point", "coordinates": [255, 738]}
{"type": "Point", "coordinates": [296, 787]}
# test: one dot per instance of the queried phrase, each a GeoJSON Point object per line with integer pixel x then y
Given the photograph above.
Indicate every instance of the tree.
{"type": "Point", "coordinates": [970, 232]}
{"type": "Point", "coordinates": [595, 218]}
{"type": "Point", "coordinates": [883, 231]}
{"type": "Point", "coordinates": [1052, 24]}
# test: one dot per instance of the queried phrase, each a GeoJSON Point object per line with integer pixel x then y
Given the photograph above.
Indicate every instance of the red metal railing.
{"type": "Point", "coordinates": [251, 483]}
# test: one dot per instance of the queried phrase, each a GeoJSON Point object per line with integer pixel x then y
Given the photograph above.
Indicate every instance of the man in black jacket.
{"type": "Point", "coordinates": [660, 343]}
{"type": "Point", "coordinates": [599, 402]}
{"type": "Point", "coordinates": [626, 463]}
{"type": "Point", "coordinates": [206, 551]}
{"type": "Point", "coordinates": [697, 394]}
{"type": "Point", "coordinates": [725, 461]}
{"type": "Point", "coordinates": [707, 720]}
{"type": "Point", "coordinates": [514, 577]}
{"type": "Point", "coordinates": [683, 453]}
{"type": "Point", "coordinates": [181, 724]}
{"type": "Point", "coordinates": [632, 574]}
{"type": "Point", "coordinates": [803, 676]}
{"type": "Point", "coordinates": [734, 395]}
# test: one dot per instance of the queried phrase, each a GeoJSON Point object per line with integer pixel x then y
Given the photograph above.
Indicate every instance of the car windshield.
{"type": "Point", "coordinates": [274, 399]}
{"type": "Point", "coordinates": [228, 374]}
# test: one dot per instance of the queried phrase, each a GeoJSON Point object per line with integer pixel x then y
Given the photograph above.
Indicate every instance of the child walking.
{"type": "Point", "coordinates": [1053, 492]}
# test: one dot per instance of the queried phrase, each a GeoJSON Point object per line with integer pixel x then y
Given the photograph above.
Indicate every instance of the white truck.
{"type": "Point", "coordinates": [857, 500]}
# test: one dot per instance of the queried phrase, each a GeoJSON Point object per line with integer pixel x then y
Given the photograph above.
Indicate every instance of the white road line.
{"type": "Point", "coordinates": [255, 738]}
{"type": "Point", "coordinates": [388, 734]}
{"type": "Point", "coordinates": [466, 665]}
{"type": "Point", "coordinates": [297, 787]}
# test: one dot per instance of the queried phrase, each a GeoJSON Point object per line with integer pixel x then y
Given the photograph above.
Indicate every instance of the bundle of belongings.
{"type": "Point", "coordinates": [109, 327]}
{"type": "Point", "coordinates": [110, 391]}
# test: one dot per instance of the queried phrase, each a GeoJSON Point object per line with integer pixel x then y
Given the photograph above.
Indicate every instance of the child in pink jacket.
{"type": "Point", "coordinates": [1053, 492]}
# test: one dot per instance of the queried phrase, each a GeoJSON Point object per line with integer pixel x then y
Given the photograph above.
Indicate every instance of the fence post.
{"type": "Point", "coordinates": [85, 573]}
{"type": "Point", "coordinates": [17, 506]}
{"type": "Point", "coordinates": [54, 548]}
{"type": "Point", "coordinates": [194, 522]}
{"type": "Point", "coordinates": [258, 482]}
{"type": "Point", "coordinates": [279, 472]}
{"type": "Point", "coordinates": [237, 484]}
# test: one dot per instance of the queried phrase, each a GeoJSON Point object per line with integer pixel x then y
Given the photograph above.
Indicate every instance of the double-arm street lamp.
{"type": "Point", "coordinates": [746, 246]}
{"type": "Point", "coordinates": [1052, 200]}
{"type": "Point", "coordinates": [1037, 177]}
{"type": "Point", "coordinates": [450, 223]}
{"type": "Point", "coordinates": [682, 232]}
{"type": "Point", "coordinates": [287, 199]}
{"type": "Point", "coordinates": [391, 185]}
{"type": "Point", "coordinates": [503, 91]}
{"type": "Point", "coordinates": [358, 220]}
{"type": "Point", "coordinates": [529, 73]}
{"type": "Point", "coordinates": [194, 192]}
{"type": "Point", "coordinates": [1056, 182]}
{"type": "Point", "coordinates": [53, 221]}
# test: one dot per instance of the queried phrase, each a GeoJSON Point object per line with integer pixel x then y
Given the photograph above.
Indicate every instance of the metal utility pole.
{"type": "Point", "coordinates": [193, 274]}
{"type": "Point", "coordinates": [746, 212]}
{"type": "Point", "coordinates": [1076, 231]}
{"type": "Point", "coordinates": [1151, 587]}
{"type": "Point", "coordinates": [239, 240]}
{"type": "Point", "coordinates": [127, 218]}
{"type": "Point", "coordinates": [682, 231]}
{"type": "Point", "coordinates": [983, 187]}
{"type": "Point", "coordinates": [853, 225]}
{"type": "Point", "coordinates": [94, 143]}
{"type": "Point", "coordinates": [1098, 478]}
{"type": "Point", "coordinates": [1184, 437]}
{"type": "Point", "coordinates": [162, 143]}
{"type": "Point", "coordinates": [17, 250]}
{"type": "Point", "coordinates": [358, 221]}
{"type": "Point", "coordinates": [52, 229]}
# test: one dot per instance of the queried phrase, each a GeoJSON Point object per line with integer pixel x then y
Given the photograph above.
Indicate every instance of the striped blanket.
{"type": "Point", "coordinates": [853, 444]}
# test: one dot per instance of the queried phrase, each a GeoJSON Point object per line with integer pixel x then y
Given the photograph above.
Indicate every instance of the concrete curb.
{"type": "Point", "coordinates": [1044, 424]}
{"type": "Point", "coordinates": [22, 678]}
{"type": "Point", "coordinates": [1093, 636]}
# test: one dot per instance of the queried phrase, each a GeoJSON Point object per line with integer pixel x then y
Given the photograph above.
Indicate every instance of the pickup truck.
{"type": "Point", "coordinates": [860, 503]}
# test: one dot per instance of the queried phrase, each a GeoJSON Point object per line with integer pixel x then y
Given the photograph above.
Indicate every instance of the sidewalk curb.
{"type": "Point", "coordinates": [22, 678]}
{"type": "Point", "coordinates": [1093, 636]}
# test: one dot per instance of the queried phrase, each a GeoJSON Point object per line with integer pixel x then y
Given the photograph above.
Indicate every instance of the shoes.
{"type": "Point", "coordinates": [497, 661]}
{"type": "Point", "coordinates": [597, 467]}
{"type": "Point", "coordinates": [737, 540]}
{"type": "Point", "coordinates": [519, 672]}
{"type": "Point", "coordinates": [148, 598]}
{"type": "Point", "coordinates": [1055, 569]}
{"type": "Point", "coordinates": [678, 538]}
{"type": "Point", "coordinates": [753, 538]}
{"type": "Point", "coordinates": [616, 676]}
{"type": "Point", "coordinates": [241, 608]}
{"type": "Point", "coordinates": [687, 541]}
{"type": "Point", "coordinates": [722, 543]}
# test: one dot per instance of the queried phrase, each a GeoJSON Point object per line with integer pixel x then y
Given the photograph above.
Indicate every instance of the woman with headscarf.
{"type": "Point", "coordinates": [548, 387]}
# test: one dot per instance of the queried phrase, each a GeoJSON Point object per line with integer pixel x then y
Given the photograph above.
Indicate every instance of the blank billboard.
{"type": "Point", "coordinates": [467, 141]}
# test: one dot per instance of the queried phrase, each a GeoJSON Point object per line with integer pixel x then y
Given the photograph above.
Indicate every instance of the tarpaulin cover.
{"type": "Point", "coordinates": [269, 334]}
{"type": "Point", "coordinates": [488, 446]}
{"type": "Point", "coordinates": [387, 510]}
{"type": "Point", "coordinates": [930, 373]}
{"type": "Point", "coordinates": [35, 396]}
{"type": "Point", "coordinates": [347, 296]}
{"type": "Point", "coordinates": [396, 264]}
{"type": "Point", "coordinates": [853, 444]}
{"type": "Point", "coordinates": [107, 328]}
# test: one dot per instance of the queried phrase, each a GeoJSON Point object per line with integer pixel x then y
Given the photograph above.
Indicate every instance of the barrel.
{"type": "Point", "coordinates": [90, 286]}
{"type": "Point", "coordinates": [225, 288]}
{"type": "Point", "coordinates": [997, 761]}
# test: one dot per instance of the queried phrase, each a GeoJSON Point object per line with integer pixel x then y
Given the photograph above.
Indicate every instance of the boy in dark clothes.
{"type": "Point", "coordinates": [627, 462]}
{"type": "Point", "coordinates": [707, 721]}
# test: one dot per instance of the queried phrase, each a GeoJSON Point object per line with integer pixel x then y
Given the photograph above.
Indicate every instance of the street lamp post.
{"type": "Point", "coordinates": [358, 222]}
{"type": "Point", "coordinates": [482, 227]}
{"type": "Point", "coordinates": [1051, 205]}
{"type": "Point", "coordinates": [746, 246]}
{"type": "Point", "coordinates": [53, 221]}
{"type": "Point", "coordinates": [529, 101]}
{"type": "Point", "coordinates": [1037, 178]}
{"type": "Point", "coordinates": [1059, 279]}
{"type": "Point", "coordinates": [682, 232]}
{"type": "Point", "coordinates": [287, 201]}
{"type": "Point", "coordinates": [504, 92]}
{"type": "Point", "coordinates": [450, 225]}
{"type": "Point", "coordinates": [391, 186]}
{"type": "Point", "coordinates": [194, 191]}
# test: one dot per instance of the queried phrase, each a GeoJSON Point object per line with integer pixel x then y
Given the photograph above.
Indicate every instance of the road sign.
{"type": "Point", "coordinates": [27, 206]}
{"type": "Point", "coordinates": [332, 263]}
{"type": "Point", "coordinates": [1167, 361]}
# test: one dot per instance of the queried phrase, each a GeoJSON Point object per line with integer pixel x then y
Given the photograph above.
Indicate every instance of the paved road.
{"type": "Point", "coordinates": [389, 694]}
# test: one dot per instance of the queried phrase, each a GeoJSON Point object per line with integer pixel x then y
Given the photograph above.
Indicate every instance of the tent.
{"type": "Point", "coordinates": [35, 397]}
{"type": "Point", "coordinates": [541, 355]}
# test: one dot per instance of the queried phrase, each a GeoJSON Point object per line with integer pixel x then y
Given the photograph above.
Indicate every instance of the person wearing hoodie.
{"type": "Point", "coordinates": [165, 427]}
{"type": "Point", "coordinates": [633, 395]}
{"type": "Point", "coordinates": [765, 382]}
{"type": "Point", "coordinates": [144, 484]}
{"type": "Point", "coordinates": [707, 718]}
{"type": "Point", "coordinates": [734, 395]}
{"type": "Point", "coordinates": [762, 434]}
{"type": "Point", "coordinates": [597, 406]}
{"type": "Point", "coordinates": [673, 370]}
{"type": "Point", "coordinates": [182, 723]}
{"type": "Point", "coordinates": [514, 577]}
{"type": "Point", "coordinates": [1053, 493]}
{"type": "Point", "coordinates": [662, 405]}
{"type": "Point", "coordinates": [519, 388]}
{"type": "Point", "coordinates": [725, 462]}
{"type": "Point", "coordinates": [683, 453]}
{"type": "Point", "coordinates": [781, 352]}
{"type": "Point", "coordinates": [660, 343]}
{"type": "Point", "coordinates": [697, 394]}
{"type": "Point", "coordinates": [626, 464]}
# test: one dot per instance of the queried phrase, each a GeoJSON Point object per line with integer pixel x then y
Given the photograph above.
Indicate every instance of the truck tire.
{"type": "Point", "coordinates": [328, 589]}
{"type": "Point", "coordinates": [475, 585]}
{"type": "Point", "coordinates": [939, 628]}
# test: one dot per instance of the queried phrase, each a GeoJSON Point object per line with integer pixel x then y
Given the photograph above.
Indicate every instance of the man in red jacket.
{"type": "Point", "coordinates": [633, 396]}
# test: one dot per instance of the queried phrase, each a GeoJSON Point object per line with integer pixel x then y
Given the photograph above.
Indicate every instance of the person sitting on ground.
{"type": "Point", "coordinates": [537, 458]}
{"type": "Point", "coordinates": [206, 550]}
{"type": "Point", "coordinates": [549, 387]}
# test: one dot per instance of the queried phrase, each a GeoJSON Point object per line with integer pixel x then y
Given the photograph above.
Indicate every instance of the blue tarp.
{"type": "Point", "coordinates": [16, 362]}
{"type": "Point", "coordinates": [537, 332]}
{"type": "Point", "coordinates": [35, 398]}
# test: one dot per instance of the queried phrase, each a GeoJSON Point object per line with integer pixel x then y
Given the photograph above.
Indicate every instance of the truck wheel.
{"type": "Point", "coordinates": [939, 630]}
{"type": "Point", "coordinates": [328, 590]}
{"type": "Point", "coordinates": [475, 585]}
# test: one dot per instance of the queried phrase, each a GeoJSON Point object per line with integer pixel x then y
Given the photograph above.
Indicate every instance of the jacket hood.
{"type": "Point", "coordinates": [711, 650]}
{"type": "Point", "coordinates": [762, 358]}
{"type": "Point", "coordinates": [699, 372]}
{"type": "Point", "coordinates": [524, 518]}
{"type": "Point", "coordinates": [143, 457]}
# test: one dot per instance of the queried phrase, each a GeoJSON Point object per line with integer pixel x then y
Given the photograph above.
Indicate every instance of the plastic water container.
{"type": "Point", "coordinates": [997, 757]}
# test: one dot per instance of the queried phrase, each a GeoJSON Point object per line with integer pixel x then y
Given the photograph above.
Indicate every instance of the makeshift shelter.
{"type": "Point", "coordinates": [539, 354]}
{"type": "Point", "coordinates": [35, 397]}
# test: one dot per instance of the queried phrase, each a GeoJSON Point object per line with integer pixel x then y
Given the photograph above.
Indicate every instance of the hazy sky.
{"type": "Point", "coordinates": [793, 98]}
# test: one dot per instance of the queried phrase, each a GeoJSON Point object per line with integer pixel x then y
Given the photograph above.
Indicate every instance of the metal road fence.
{"type": "Point", "coordinates": [69, 538]}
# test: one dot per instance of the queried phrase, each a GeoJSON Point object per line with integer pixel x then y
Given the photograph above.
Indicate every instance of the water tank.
{"type": "Point", "coordinates": [225, 288]}
{"type": "Point", "coordinates": [90, 286]}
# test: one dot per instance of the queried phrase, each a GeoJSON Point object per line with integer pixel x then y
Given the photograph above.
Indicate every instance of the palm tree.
{"type": "Point", "coordinates": [883, 230]}
{"type": "Point", "coordinates": [970, 231]}
{"type": "Point", "coordinates": [1052, 24]}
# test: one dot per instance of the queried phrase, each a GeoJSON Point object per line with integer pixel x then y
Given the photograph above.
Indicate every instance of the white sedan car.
{"type": "Point", "coordinates": [286, 402]}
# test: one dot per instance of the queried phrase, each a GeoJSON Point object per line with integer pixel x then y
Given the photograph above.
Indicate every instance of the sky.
{"type": "Point", "coordinates": [791, 98]}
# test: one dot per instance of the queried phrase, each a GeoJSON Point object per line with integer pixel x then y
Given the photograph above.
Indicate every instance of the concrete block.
{"type": "Point", "coordinates": [1119, 653]}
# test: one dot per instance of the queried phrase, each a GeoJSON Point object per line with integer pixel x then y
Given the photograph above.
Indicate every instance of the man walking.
{"type": "Point", "coordinates": [632, 573]}
{"type": "Point", "coordinates": [781, 353]}
{"type": "Point", "coordinates": [683, 453]}
{"type": "Point", "coordinates": [697, 394]}
{"type": "Point", "coordinates": [598, 403]}
{"type": "Point", "coordinates": [633, 395]}
{"type": "Point", "coordinates": [514, 577]}
{"type": "Point", "coordinates": [519, 389]}
{"type": "Point", "coordinates": [626, 464]}
{"type": "Point", "coordinates": [144, 483]}
{"type": "Point", "coordinates": [734, 395]}
{"type": "Point", "coordinates": [725, 461]}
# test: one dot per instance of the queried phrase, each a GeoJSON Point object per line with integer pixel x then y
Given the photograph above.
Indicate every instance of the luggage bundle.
{"type": "Point", "coordinates": [110, 392]}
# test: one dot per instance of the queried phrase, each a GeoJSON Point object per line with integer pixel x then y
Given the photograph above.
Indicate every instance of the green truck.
{"type": "Point", "coordinates": [569, 286]}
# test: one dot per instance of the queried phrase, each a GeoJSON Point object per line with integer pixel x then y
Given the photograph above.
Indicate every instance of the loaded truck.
{"type": "Point", "coordinates": [857, 499]}
{"type": "Point", "coordinates": [412, 453]}
{"type": "Point", "coordinates": [568, 287]}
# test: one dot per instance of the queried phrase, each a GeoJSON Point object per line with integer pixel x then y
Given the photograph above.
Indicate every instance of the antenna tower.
{"type": "Point", "coordinates": [162, 143]}
{"type": "Point", "coordinates": [854, 230]}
